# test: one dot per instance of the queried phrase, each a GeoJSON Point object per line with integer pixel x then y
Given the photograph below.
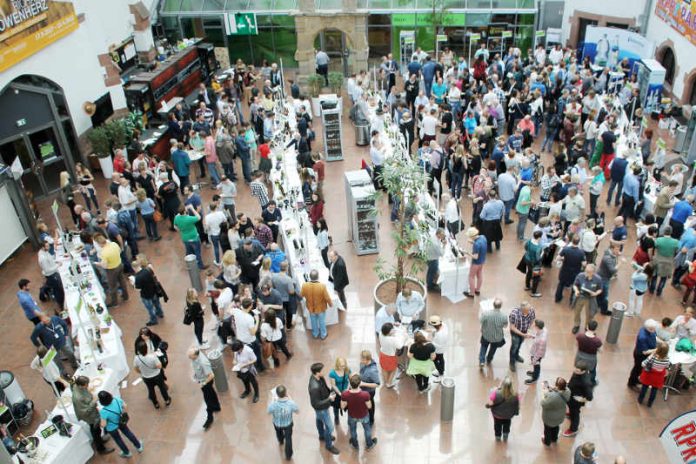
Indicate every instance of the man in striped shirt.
{"type": "Point", "coordinates": [259, 190]}
{"type": "Point", "coordinates": [281, 411]}
{"type": "Point", "coordinates": [520, 320]}
{"type": "Point", "coordinates": [492, 336]}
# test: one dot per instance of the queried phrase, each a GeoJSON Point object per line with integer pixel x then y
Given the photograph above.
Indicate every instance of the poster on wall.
{"type": "Point", "coordinates": [27, 26]}
{"type": "Point", "coordinates": [607, 46]}
{"type": "Point", "coordinates": [679, 439]}
{"type": "Point", "coordinates": [680, 14]}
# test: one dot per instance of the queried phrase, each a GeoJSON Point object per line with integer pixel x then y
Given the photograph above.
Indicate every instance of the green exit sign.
{"type": "Point", "coordinates": [21, 122]}
{"type": "Point", "coordinates": [241, 24]}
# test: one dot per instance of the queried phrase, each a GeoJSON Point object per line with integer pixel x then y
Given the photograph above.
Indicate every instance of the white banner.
{"type": "Point", "coordinates": [607, 46]}
{"type": "Point", "coordinates": [679, 439]}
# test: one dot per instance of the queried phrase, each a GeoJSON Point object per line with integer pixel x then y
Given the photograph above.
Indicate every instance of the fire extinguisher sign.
{"type": "Point", "coordinates": [679, 439]}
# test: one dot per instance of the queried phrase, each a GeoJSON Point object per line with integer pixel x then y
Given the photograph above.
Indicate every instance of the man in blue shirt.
{"type": "Point", "coordinates": [414, 67]}
{"type": "Point", "coordinates": [646, 341]}
{"type": "Point", "coordinates": [515, 141]}
{"type": "Point", "coordinates": [680, 213]}
{"type": "Point", "coordinates": [244, 154]}
{"type": "Point", "coordinates": [618, 172]}
{"type": "Point", "coordinates": [428, 72]}
{"type": "Point", "coordinates": [507, 187]}
{"type": "Point", "coordinates": [478, 258]}
{"type": "Point", "coordinates": [28, 303]}
{"type": "Point", "coordinates": [181, 162]}
{"type": "Point", "coordinates": [53, 332]}
{"type": "Point", "coordinates": [630, 193]}
{"type": "Point", "coordinates": [491, 215]}
{"type": "Point", "coordinates": [281, 411]}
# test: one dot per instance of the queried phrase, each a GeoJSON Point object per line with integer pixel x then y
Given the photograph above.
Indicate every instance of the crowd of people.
{"type": "Point", "coordinates": [482, 132]}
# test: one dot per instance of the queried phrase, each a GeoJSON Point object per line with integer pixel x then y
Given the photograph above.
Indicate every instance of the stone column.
{"type": "Point", "coordinates": [142, 32]}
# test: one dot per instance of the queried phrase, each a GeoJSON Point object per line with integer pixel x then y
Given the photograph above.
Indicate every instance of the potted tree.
{"type": "Point", "coordinates": [101, 146]}
{"type": "Point", "coordinates": [315, 83]}
{"type": "Point", "coordinates": [118, 134]}
{"type": "Point", "coordinates": [336, 82]}
{"type": "Point", "coordinates": [404, 181]}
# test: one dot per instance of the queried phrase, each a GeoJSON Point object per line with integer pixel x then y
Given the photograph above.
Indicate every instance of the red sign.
{"type": "Point", "coordinates": [679, 439]}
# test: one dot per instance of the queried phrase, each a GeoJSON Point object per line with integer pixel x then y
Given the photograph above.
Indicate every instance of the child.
{"type": "Point", "coordinates": [537, 351]}
{"type": "Point", "coordinates": [619, 234]}
{"type": "Point", "coordinates": [639, 285]}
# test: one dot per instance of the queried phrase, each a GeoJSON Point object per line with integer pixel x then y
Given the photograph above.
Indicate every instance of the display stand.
{"type": "Point", "coordinates": [354, 179]}
{"type": "Point", "coordinates": [331, 121]}
{"type": "Point", "coordinates": [364, 219]}
{"type": "Point", "coordinates": [407, 42]}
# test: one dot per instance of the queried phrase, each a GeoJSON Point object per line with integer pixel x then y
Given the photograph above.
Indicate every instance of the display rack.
{"type": "Point", "coordinates": [354, 179]}
{"type": "Point", "coordinates": [364, 220]}
{"type": "Point", "coordinates": [331, 121]}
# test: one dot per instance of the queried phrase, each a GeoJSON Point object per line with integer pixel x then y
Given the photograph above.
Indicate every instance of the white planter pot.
{"type": "Point", "coordinates": [316, 107]}
{"type": "Point", "coordinates": [107, 167]}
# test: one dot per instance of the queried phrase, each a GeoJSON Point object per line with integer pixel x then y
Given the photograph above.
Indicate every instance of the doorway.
{"type": "Point", "coordinates": [41, 159]}
{"type": "Point", "coordinates": [335, 44]}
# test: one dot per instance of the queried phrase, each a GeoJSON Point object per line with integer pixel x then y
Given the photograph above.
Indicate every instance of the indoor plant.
{"type": "Point", "coordinates": [315, 82]}
{"type": "Point", "coordinates": [336, 82]}
{"type": "Point", "coordinates": [118, 134]}
{"type": "Point", "coordinates": [101, 146]}
{"type": "Point", "coordinates": [404, 181]}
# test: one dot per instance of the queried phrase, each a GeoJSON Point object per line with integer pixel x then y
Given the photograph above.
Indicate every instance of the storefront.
{"type": "Point", "coordinates": [282, 25]}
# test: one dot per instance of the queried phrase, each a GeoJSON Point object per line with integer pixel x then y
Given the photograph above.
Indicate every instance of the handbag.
{"type": "Point", "coordinates": [157, 216]}
{"type": "Point", "coordinates": [188, 319]}
{"type": "Point", "coordinates": [159, 289]}
{"type": "Point", "coordinates": [267, 349]}
{"type": "Point", "coordinates": [522, 265]}
{"type": "Point", "coordinates": [534, 214]}
{"type": "Point", "coordinates": [123, 416]}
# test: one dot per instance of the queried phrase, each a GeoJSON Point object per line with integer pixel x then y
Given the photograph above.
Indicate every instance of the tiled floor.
{"type": "Point", "coordinates": [407, 424]}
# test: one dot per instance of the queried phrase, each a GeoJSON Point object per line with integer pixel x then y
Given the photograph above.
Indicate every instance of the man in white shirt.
{"type": "Point", "coordinates": [128, 200]}
{"type": "Point", "coordinates": [440, 339]}
{"type": "Point", "coordinates": [540, 55]}
{"type": "Point", "coordinates": [384, 315]}
{"type": "Point", "coordinates": [421, 99]}
{"type": "Point", "coordinates": [212, 222]}
{"type": "Point", "coordinates": [245, 326]}
{"type": "Point", "coordinates": [574, 205]}
{"type": "Point", "coordinates": [556, 55]}
{"type": "Point", "coordinates": [377, 157]}
{"type": "Point", "coordinates": [430, 124]}
{"type": "Point", "coordinates": [409, 304]}
{"type": "Point", "coordinates": [684, 326]}
{"type": "Point", "coordinates": [49, 269]}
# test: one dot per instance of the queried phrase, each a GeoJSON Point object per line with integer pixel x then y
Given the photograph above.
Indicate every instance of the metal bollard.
{"type": "Point", "coordinates": [618, 310]}
{"type": "Point", "coordinates": [447, 399]}
{"type": "Point", "coordinates": [218, 366]}
{"type": "Point", "coordinates": [193, 272]}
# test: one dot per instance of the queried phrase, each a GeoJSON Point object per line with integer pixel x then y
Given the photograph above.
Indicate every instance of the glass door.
{"type": "Point", "coordinates": [333, 42]}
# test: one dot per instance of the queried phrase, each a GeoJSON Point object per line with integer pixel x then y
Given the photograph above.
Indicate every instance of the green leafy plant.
{"type": "Point", "coordinates": [116, 130]}
{"type": "Point", "coordinates": [404, 180]}
{"type": "Point", "coordinates": [315, 82]}
{"type": "Point", "coordinates": [336, 82]}
{"type": "Point", "coordinates": [133, 121]}
{"type": "Point", "coordinates": [99, 139]}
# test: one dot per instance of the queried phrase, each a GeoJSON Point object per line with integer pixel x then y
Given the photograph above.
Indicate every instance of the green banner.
{"type": "Point", "coordinates": [46, 360]}
{"type": "Point", "coordinates": [441, 38]}
{"type": "Point", "coordinates": [506, 34]}
{"type": "Point", "coordinates": [540, 34]}
{"type": "Point", "coordinates": [475, 37]}
{"type": "Point", "coordinates": [428, 19]}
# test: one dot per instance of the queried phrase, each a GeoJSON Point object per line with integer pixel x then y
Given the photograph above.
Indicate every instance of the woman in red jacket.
{"type": "Point", "coordinates": [316, 211]}
{"type": "Point", "coordinates": [655, 369]}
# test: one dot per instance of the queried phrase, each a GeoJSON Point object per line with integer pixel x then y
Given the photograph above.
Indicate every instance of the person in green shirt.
{"type": "Point", "coordinates": [186, 225]}
{"type": "Point", "coordinates": [666, 249]}
{"type": "Point", "coordinates": [524, 203]}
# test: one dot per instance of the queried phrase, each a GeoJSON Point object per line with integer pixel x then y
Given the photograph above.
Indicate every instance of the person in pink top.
{"type": "Point", "coordinates": [537, 351]}
{"type": "Point", "coordinates": [526, 124]}
{"type": "Point", "coordinates": [211, 159]}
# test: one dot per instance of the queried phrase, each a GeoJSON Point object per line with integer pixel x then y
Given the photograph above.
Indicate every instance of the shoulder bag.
{"type": "Point", "coordinates": [188, 319]}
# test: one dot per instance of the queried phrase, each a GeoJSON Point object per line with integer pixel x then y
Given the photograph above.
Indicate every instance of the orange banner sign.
{"type": "Point", "coordinates": [27, 26]}
{"type": "Point", "coordinates": [680, 14]}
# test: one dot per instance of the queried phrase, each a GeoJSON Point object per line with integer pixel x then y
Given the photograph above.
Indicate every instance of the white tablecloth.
{"type": "Point", "coordinates": [105, 380]}
{"type": "Point", "coordinates": [56, 449]}
{"type": "Point", "coordinates": [454, 280]}
{"type": "Point", "coordinates": [114, 355]}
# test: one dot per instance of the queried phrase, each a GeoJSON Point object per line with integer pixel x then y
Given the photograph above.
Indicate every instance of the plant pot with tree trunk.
{"type": "Point", "coordinates": [101, 146]}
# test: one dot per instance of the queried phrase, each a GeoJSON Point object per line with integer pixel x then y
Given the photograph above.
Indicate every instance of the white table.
{"type": "Point", "coordinates": [105, 380]}
{"type": "Point", "coordinates": [454, 277]}
{"type": "Point", "coordinates": [678, 359]}
{"type": "Point", "coordinates": [56, 449]}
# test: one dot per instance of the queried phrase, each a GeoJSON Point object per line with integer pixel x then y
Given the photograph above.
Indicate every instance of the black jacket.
{"type": "Point", "coordinates": [580, 385]}
{"type": "Point", "coordinates": [319, 392]}
{"type": "Point", "coordinates": [339, 274]}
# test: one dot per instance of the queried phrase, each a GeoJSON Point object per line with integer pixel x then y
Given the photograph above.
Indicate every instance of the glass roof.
{"type": "Point", "coordinates": [198, 7]}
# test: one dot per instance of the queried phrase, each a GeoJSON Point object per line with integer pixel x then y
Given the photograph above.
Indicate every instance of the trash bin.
{"type": "Point", "coordinates": [218, 367]}
{"type": "Point", "coordinates": [362, 134]}
{"type": "Point", "coordinates": [680, 145]}
{"type": "Point", "coordinates": [447, 399]}
{"type": "Point", "coordinates": [11, 391]}
{"type": "Point", "coordinates": [617, 314]}
{"type": "Point", "coordinates": [193, 272]}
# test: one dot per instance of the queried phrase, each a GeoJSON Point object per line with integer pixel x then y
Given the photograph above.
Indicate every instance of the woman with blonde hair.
{"type": "Point", "coordinates": [85, 178]}
{"type": "Point", "coordinates": [265, 270]}
{"type": "Point", "coordinates": [230, 270]}
{"type": "Point", "coordinates": [340, 378]}
{"type": "Point", "coordinates": [194, 315]}
{"type": "Point", "coordinates": [504, 404]}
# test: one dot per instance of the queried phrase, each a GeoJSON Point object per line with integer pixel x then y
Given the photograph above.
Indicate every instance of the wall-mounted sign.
{"type": "Point", "coordinates": [27, 26]}
{"type": "Point", "coordinates": [507, 34]}
{"type": "Point", "coordinates": [680, 14]}
{"type": "Point", "coordinates": [241, 24]}
{"type": "Point", "coordinates": [540, 34]}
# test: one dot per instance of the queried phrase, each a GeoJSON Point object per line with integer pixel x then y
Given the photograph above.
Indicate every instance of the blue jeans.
{"type": "Point", "coordinates": [119, 441]}
{"type": "Point", "coordinates": [213, 174]}
{"type": "Point", "coordinates": [431, 273]}
{"type": "Point", "coordinates": [246, 167]}
{"type": "Point", "coordinates": [194, 248]}
{"type": "Point", "coordinates": [508, 207]}
{"type": "Point", "coordinates": [150, 225]}
{"type": "Point", "coordinates": [456, 185]}
{"type": "Point", "coordinates": [318, 322]}
{"type": "Point", "coordinates": [547, 145]}
{"type": "Point", "coordinates": [215, 240]}
{"type": "Point", "coordinates": [515, 344]}
{"type": "Point", "coordinates": [367, 428]}
{"type": "Point", "coordinates": [487, 346]}
{"type": "Point", "coordinates": [153, 307]}
{"type": "Point", "coordinates": [324, 426]}
{"type": "Point", "coordinates": [614, 184]}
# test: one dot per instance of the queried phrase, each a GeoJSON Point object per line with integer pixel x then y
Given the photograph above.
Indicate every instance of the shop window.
{"type": "Point", "coordinates": [667, 61]}
{"type": "Point", "coordinates": [525, 4]}
{"type": "Point", "coordinates": [483, 4]}
{"type": "Point", "coordinates": [504, 4]}
{"type": "Point", "coordinates": [171, 5]}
